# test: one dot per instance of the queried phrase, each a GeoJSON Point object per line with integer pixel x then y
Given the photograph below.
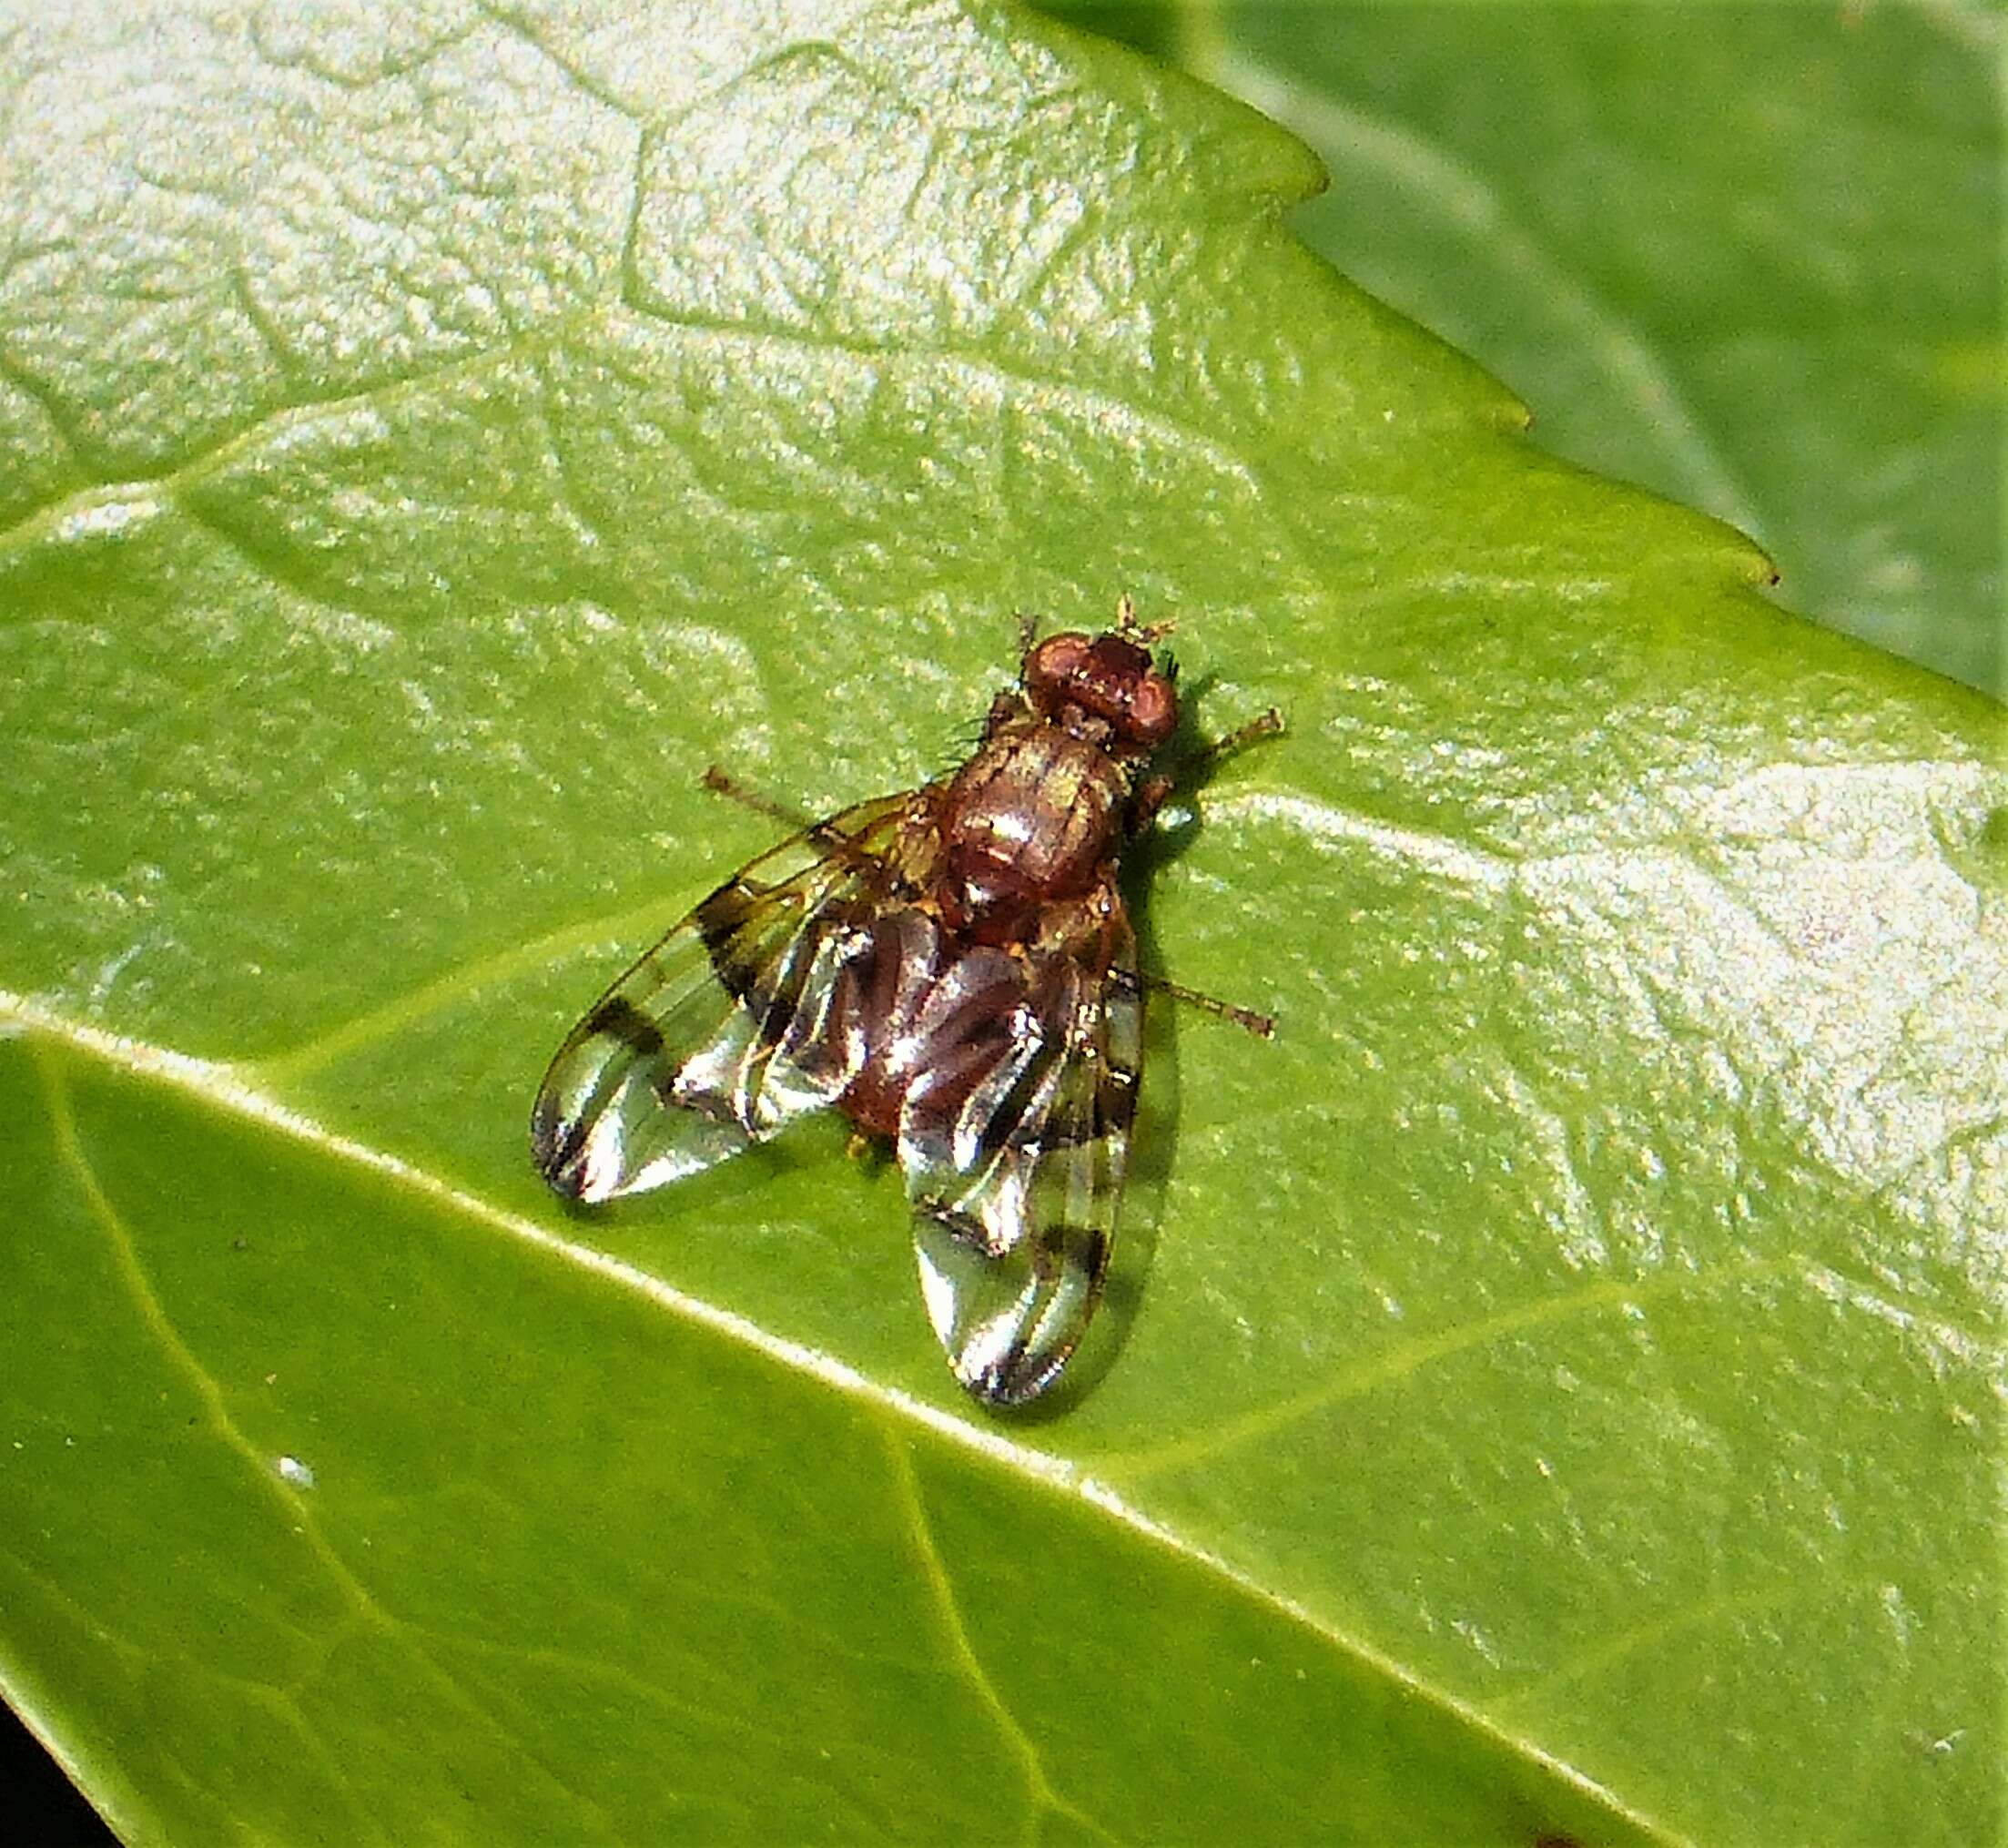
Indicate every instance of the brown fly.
{"type": "Point", "coordinates": [954, 970]}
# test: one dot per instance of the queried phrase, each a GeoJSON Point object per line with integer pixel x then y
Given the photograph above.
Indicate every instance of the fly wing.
{"type": "Point", "coordinates": [1015, 1156]}
{"type": "Point", "coordinates": [729, 1026]}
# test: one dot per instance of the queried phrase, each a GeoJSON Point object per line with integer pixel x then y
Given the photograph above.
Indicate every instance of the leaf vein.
{"type": "Point", "coordinates": [933, 1571]}
{"type": "Point", "coordinates": [208, 1391]}
{"type": "Point", "coordinates": [1777, 1595]}
{"type": "Point", "coordinates": [1399, 1363]}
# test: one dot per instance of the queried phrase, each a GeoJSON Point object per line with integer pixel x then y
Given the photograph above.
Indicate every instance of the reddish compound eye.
{"type": "Point", "coordinates": [1058, 661]}
{"type": "Point", "coordinates": [1153, 710]}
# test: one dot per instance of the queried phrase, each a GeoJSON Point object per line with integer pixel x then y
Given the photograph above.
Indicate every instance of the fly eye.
{"type": "Point", "coordinates": [1153, 710]}
{"type": "Point", "coordinates": [1061, 657]}
{"type": "Point", "coordinates": [1056, 666]}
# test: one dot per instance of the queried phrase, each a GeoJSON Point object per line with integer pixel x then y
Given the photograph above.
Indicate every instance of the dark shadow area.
{"type": "Point", "coordinates": [1152, 29]}
{"type": "Point", "coordinates": [37, 1803]}
{"type": "Point", "coordinates": [1153, 1136]}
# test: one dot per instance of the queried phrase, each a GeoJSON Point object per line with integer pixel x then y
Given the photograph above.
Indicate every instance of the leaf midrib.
{"type": "Point", "coordinates": [220, 1088]}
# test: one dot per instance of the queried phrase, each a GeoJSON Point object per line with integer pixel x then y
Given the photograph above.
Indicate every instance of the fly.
{"type": "Point", "coordinates": [954, 970]}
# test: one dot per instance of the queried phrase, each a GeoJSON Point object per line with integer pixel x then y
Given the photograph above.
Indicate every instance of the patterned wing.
{"type": "Point", "coordinates": [1015, 1153]}
{"type": "Point", "coordinates": [727, 1028]}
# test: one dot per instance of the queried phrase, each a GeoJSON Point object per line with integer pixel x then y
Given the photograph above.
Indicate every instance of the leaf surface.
{"type": "Point", "coordinates": [1557, 1370]}
{"type": "Point", "coordinates": [1745, 255]}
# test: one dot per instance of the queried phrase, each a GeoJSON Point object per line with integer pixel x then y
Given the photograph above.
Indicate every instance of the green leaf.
{"type": "Point", "coordinates": [1548, 1392]}
{"type": "Point", "coordinates": [1746, 254]}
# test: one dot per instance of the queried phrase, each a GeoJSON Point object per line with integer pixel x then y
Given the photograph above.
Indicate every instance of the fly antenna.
{"type": "Point", "coordinates": [1130, 630]}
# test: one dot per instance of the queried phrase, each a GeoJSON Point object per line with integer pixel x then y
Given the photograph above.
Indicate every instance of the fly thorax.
{"type": "Point", "coordinates": [1033, 817]}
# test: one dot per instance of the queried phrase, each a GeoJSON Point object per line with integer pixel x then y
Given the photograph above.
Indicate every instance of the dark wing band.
{"type": "Point", "coordinates": [724, 1030]}
{"type": "Point", "coordinates": [1017, 1175]}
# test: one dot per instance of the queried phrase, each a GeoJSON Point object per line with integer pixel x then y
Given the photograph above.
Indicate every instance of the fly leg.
{"type": "Point", "coordinates": [1263, 1026]}
{"type": "Point", "coordinates": [1196, 763]}
{"type": "Point", "coordinates": [1150, 795]}
{"type": "Point", "coordinates": [719, 784]}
